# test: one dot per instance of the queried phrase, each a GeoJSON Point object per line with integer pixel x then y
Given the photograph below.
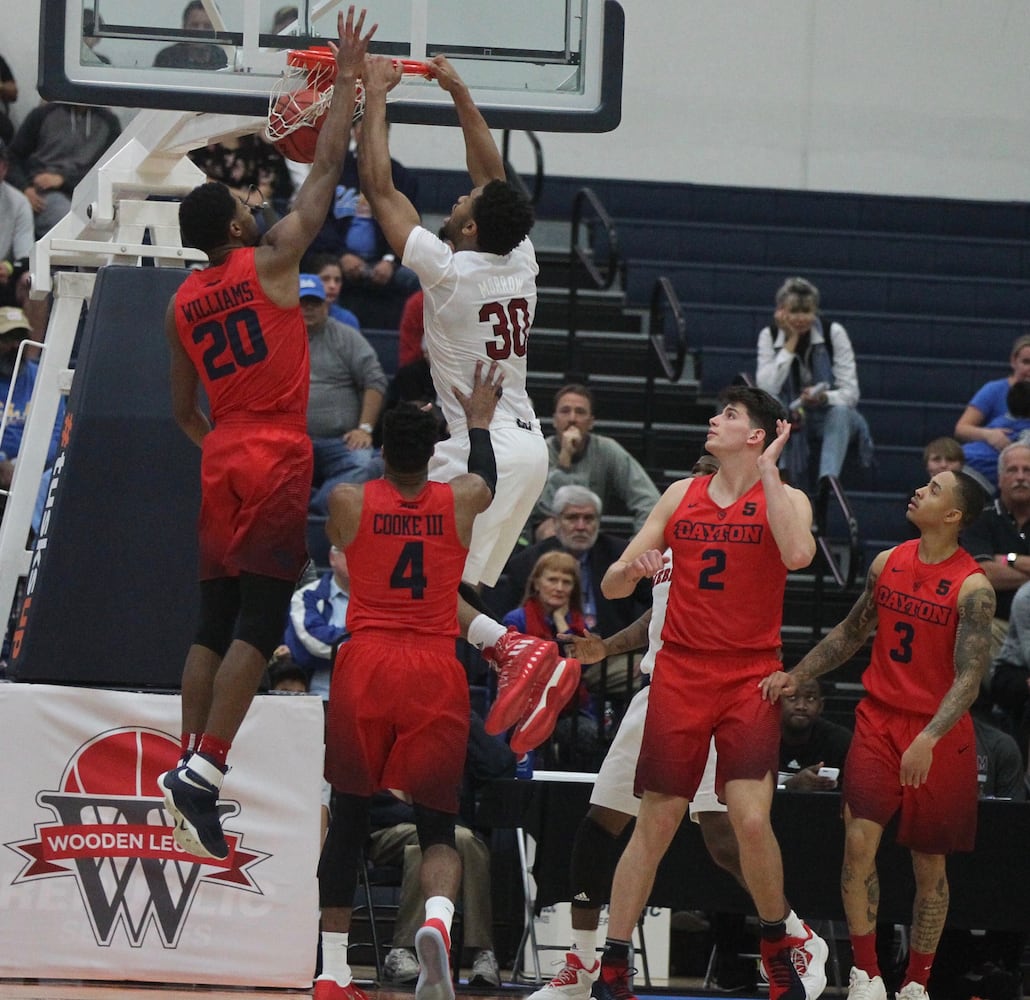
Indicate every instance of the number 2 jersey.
{"type": "Point", "coordinates": [405, 562]}
{"type": "Point", "coordinates": [913, 659]}
{"type": "Point", "coordinates": [251, 354]}
{"type": "Point", "coordinates": [478, 307]}
{"type": "Point", "coordinates": [729, 578]}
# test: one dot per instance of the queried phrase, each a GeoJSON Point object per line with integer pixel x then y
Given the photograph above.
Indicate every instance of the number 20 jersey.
{"type": "Point", "coordinates": [728, 578]}
{"type": "Point", "coordinates": [478, 307]}
{"type": "Point", "coordinates": [251, 354]}
{"type": "Point", "coordinates": [913, 660]}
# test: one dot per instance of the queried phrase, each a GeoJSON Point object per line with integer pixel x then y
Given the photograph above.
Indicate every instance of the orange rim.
{"type": "Point", "coordinates": [320, 64]}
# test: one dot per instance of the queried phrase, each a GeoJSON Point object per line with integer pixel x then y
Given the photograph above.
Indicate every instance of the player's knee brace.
{"type": "Point", "coordinates": [595, 853]}
{"type": "Point", "coordinates": [264, 602]}
{"type": "Point", "coordinates": [434, 827]}
{"type": "Point", "coordinates": [219, 605]}
{"type": "Point", "coordinates": [341, 852]}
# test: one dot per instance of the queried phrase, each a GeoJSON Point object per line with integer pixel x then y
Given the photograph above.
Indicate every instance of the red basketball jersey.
{"type": "Point", "coordinates": [406, 562]}
{"type": "Point", "coordinates": [913, 661]}
{"type": "Point", "coordinates": [251, 355]}
{"type": "Point", "coordinates": [728, 576]}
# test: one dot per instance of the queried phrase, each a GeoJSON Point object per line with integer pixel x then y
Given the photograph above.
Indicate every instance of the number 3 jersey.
{"type": "Point", "coordinates": [251, 354]}
{"type": "Point", "coordinates": [728, 582]}
{"type": "Point", "coordinates": [478, 307]}
{"type": "Point", "coordinates": [406, 562]}
{"type": "Point", "coordinates": [913, 660]}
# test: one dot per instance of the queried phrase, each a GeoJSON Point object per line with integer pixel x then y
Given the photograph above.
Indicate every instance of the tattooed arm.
{"type": "Point", "coordinates": [839, 645]}
{"type": "Point", "coordinates": [972, 657]}
{"type": "Point", "coordinates": [590, 648]}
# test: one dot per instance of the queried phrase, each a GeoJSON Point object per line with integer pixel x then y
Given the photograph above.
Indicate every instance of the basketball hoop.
{"type": "Point", "coordinates": [300, 97]}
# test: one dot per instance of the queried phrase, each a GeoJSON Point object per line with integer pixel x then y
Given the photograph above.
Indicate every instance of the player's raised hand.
{"type": "Point", "coordinates": [446, 74]}
{"type": "Point", "coordinates": [770, 457]}
{"type": "Point", "coordinates": [352, 46]}
{"type": "Point", "coordinates": [381, 73]}
{"type": "Point", "coordinates": [479, 405]}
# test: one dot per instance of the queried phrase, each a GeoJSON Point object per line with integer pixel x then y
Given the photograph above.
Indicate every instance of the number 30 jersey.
{"type": "Point", "coordinates": [913, 660]}
{"type": "Point", "coordinates": [405, 562]}
{"type": "Point", "coordinates": [251, 354]}
{"type": "Point", "coordinates": [728, 577]}
{"type": "Point", "coordinates": [478, 307]}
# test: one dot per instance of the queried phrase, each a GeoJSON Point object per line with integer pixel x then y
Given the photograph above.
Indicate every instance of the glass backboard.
{"type": "Point", "coordinates": [548, 65]}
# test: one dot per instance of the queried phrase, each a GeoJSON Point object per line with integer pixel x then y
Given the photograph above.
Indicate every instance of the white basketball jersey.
{"type": "Point", "coordinates": [478, 307]}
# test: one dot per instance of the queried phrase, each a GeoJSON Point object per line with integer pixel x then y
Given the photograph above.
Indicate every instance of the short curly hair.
{"type": "Point", "coordinates": [503, 217]}
{"type": "Point", "coordinates": [409, 437]}
{"type": "Point", "coordinates": [205, 214]}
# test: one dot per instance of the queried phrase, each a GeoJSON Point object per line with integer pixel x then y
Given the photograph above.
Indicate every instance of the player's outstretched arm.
{"type": "Point", "coordinates": [482, 157]}
{"type": "Point", "coordinates": [592, 648]}
{"type": "Point", "coordinates": [839, 645]}
{"type": "Point", "coordinates": [788, 509]}
{"type": "Point", "coordinates": [393, 211]}
{"type": "Point", "coordinates": [292, 235]}
{"type": "Point", "coordinates": [976, 603]}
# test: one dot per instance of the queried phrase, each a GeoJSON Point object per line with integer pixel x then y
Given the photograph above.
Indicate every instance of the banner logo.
{"type": "Point", "coordinates": [110, 832]}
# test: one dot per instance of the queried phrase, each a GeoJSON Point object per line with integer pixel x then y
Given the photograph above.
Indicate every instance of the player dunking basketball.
{"type": "Point", "coordinates": [480, 298]}
{"type": "Point", "coordinates": [733, 537]}
{"type": "Point", "coordinates": [236, 328]}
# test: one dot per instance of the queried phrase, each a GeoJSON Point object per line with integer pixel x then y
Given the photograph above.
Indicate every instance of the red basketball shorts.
{"type": "Point", "coordinates": [398, 718]}
{"type": "Point", "coordinates": [255, 483]}
{"type": "Point", "coordinates": [938, 817]}
{"type": "Point", "coordinates": [695, 695]}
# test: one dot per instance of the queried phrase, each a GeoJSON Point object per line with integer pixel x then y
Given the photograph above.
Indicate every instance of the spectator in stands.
{"type": "Point", "coordinates": [989, 401]}
{"type": "Point", "coordinates": [318, 621]}
{"type": "Point", "coordinates": [553, 600]}
{"type": "Point", "coordinates": [347, 388]}
{"type": "Point", "coordinates": [808, 363]}
{"type": "Point", "coordinates": [247, 164]}
{"type": "Point", "coordinates": [982, 455]}
{"type": "Point", "coordinates": [578, 513]}
{"type": "Point", "coordinates": [943, 454]}
{"type": "Point", "coordinates": [997, 539]}
{"type": "Point", "coordinates": [1010, 671]}
{"type": "Point", "coordinates": [809, 742]}
{"type": "Point", "coordinates": [16, 238]}
{"type": "Point", "coordinates": [327, 266]}
{"type": "Point", "coordinates": [394, 841]}
{"type": "Point", "coordinates": [194, 55]}
{"type": "Point", "coordinates": [14, 328]}
{"type": "Point", "coordinates": [54, 149]}
{"type": "Point", "coordinates": [576, 455]}
{"type": "Point", "coordinates": [284, 17]}
{"type": "Point", "coordinates": [8, 95]}
{"type": "Point", "coordinates": [412, 330]}
{"type": "Point", "coordinates": [373, 277]}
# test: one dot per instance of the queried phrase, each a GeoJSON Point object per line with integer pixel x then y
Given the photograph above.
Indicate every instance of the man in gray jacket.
{"type": "Point", "coordinates": [347, 389]}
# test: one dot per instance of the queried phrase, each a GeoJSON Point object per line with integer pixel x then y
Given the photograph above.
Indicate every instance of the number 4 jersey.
{"type": "Point", "coordinates": [406, 562]}
{"type": "Point", "coordinates": [251, 354]}
{"type": "Point", "coordinates": [913, 660]}
{"type": "Point", "coordinates": [728, 582]}
{"type": "Point", "coordinates": [478, 307]}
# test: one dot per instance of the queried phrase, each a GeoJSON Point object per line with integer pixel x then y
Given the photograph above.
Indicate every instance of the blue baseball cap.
{"type": "Point", "coordinates": [311, 287]}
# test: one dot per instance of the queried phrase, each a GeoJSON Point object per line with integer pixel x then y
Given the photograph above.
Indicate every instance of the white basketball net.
{"type": "Point", "coordinates": [286, 113]}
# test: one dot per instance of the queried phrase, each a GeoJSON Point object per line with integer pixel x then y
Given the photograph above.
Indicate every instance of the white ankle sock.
{"type": "Point", "coordinates": [440, 908]}
{"type": "Point", "coordinates": [795, 926]}
{"type": "Point", "coordinates": [334, 957]}
{"type": "Point", "coordinates": [484, 632]}
{"type": "Point", "coordinates": [584, 944]}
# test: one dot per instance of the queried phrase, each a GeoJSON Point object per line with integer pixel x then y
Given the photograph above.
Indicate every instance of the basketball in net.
{"type": "Point", "coordinates": [301, 96]}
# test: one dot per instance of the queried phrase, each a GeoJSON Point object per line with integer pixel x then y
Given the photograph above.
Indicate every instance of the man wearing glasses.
{"type": "Point", "coordinates": [577, 518]}
{"type": "Point", "coordinates": [236, 328]}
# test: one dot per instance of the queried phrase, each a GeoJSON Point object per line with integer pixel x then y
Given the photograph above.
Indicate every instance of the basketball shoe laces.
{"type": "Point", "coordinates": [569, 974]}
{"type": "Point", "coordinates": [780, 979]}
{"type": "Point", "coordinates": [616, 987]}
